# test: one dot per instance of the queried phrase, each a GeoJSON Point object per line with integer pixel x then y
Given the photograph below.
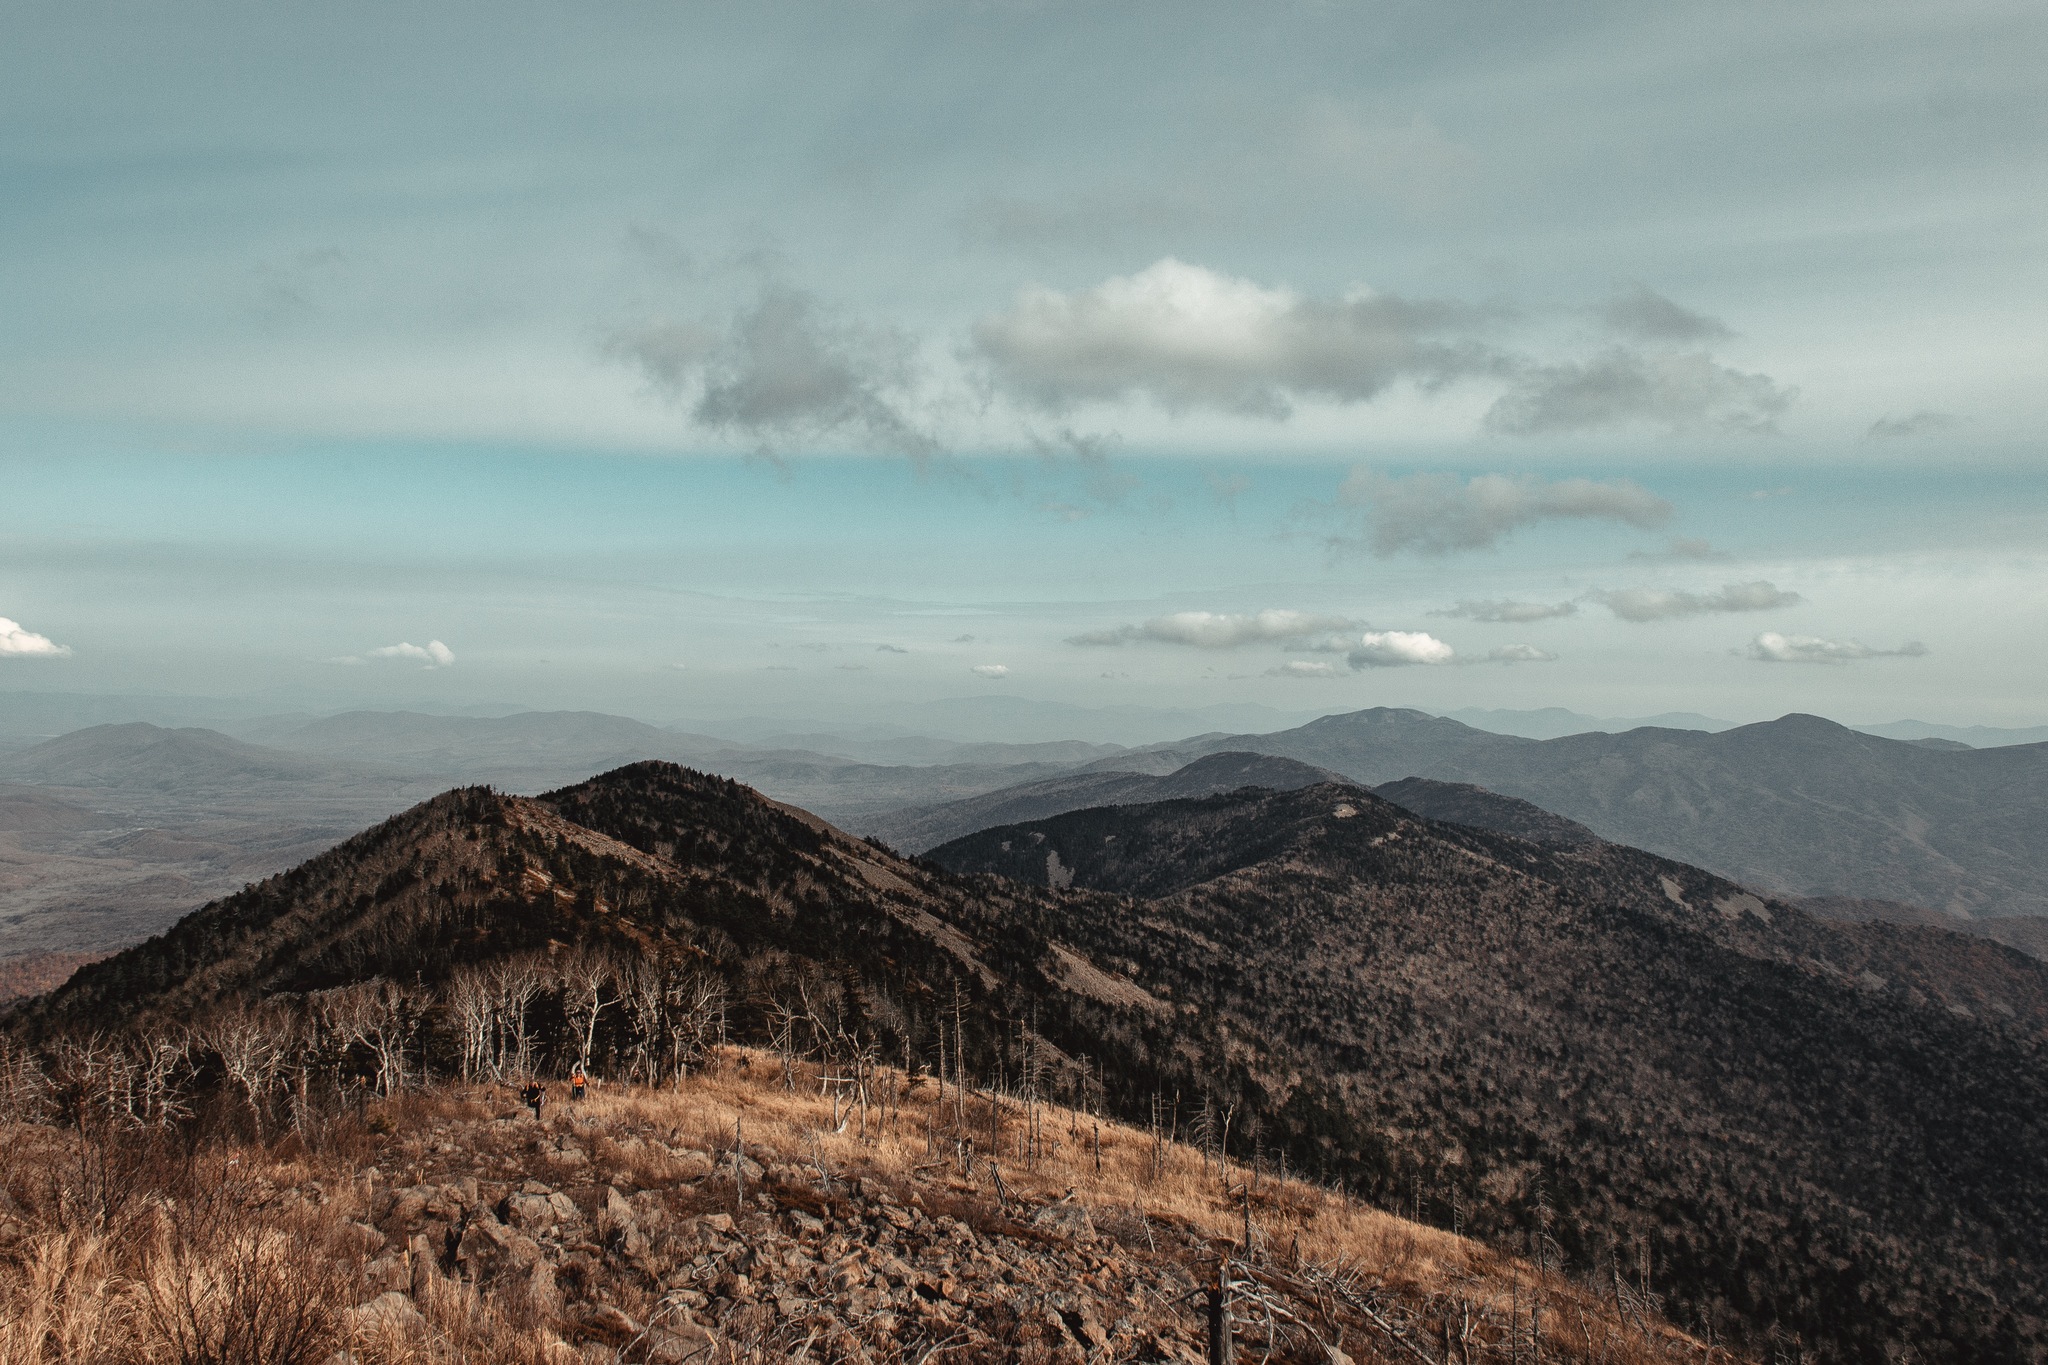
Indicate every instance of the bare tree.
{"type": "Point", "coordinates": [380, 1016]}
{"type": "Point", "coordinates": [24, 1088]}
{"type": "Point", "coordinates": [473, 1003]}
{"type": "Point", "coordinates": [694, 1016]}
{"type": "Point", "coordinates": [516, 983]}
{"type": "Point", "coordinates": [589, 981]}
{"type": "Point", "coordinates": [252, 1045]}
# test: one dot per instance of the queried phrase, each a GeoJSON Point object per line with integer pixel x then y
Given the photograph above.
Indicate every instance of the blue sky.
{"type": "Point", "coordinates": [696, 361]}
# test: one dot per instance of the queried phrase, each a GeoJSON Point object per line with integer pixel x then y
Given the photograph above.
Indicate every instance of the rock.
{"type": "Point", "coordinates": [409, 1205]}
{"type": "Point", "coordinates": [523, 1210]}
{"type": "Point", "coordinates": [678, 1340]}
{"type": "Point", "coordinates": [422, 1267]}
{"type": "Point", "coordinates": [388, 1273]}
{"type": "Point", "coordinates": [490, 1252]}
{"type": "Point", "coordinates": [609, 1324]}
{"type": "Point", "coordinates": [1068, 1220]}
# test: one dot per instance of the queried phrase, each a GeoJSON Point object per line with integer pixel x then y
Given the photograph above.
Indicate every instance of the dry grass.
{"type": "Point", "coordinates": [127, 1247]}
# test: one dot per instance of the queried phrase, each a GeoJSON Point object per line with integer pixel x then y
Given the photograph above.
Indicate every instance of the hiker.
{"type": "Point", "coordinates": [577, 1082]}
{"type": "Point", "coordinates": [533, 1096]}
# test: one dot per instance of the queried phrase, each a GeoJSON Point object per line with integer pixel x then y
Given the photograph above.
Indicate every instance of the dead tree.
{"type": "Point", "coordinates": [589, 982]}
{"type": "Point", "coordinates": [472, 1004]}
{"type": "Point", "coordinates": [516, 983]}
{"type": "Point", "coordinates": [252, 1045]}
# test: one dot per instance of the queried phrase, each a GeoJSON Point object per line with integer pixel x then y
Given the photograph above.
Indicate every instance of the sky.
{"type": "Point", "coordinates": [815, 361]}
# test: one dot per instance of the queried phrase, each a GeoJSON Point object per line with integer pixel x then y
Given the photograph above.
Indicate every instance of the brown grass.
{"type": "Point", "coordinates": [128, 1247]}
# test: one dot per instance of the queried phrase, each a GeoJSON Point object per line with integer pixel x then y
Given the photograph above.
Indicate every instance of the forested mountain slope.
{"type": "Point", "coordinates": [1836, 1128]}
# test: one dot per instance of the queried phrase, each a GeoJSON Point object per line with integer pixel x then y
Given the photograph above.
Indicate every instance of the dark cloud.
{"type": "Point", "coordinates": [890, 649]}
{"type": "Point", "coordinates": [1889, 428]}
{"type": "Point", "coordinates": [1436, 514]}
{"type": "Point", "coordinates": [785, 371]}
{"type": "Point", "coordinates": [1659, 604]}
{"type": "Point", "coordinates": [1190, 338]}
{"type": "Point", "coordinates": [1642, 314]}
{"type": "Point", "coordinates": [1625, 387]}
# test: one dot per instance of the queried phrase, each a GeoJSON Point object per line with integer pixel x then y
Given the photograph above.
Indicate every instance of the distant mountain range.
{"type": "Point", "coordinates": [920, 828]}
{"type": "Point", "coordinates": [1797, 806]}
{"type": "Point", "coordinates": [1795, 1128]}
{"type": "Point", "coordinates": [1555, 722]}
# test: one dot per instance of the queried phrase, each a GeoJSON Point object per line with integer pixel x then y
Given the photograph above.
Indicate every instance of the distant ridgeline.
{"type": "Point", "coordinates": [1806, 1132]}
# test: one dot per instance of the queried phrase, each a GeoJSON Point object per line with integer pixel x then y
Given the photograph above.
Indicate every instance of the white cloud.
{"type": "Point", "coordinates": [1398, 648]}
{"type": "Point", "coordinates": [1773, 648]}
{"type": "Point", "coordinates": [1220, 630]}
{"type": "Point", "coordinates": [992, 670]}
{"type": "Point", "coordinates": [1302, 668]}
{"type": "Point", "coordinates": [1189, 337]}
{"type": "Point", "coordinates": [17, 642]}
{"type": "Point", "coordinates": [1520, 654]}
{"type": "Point", "coordinates": [1658, 604]}
{"type": "Point", "coordinates": [433, 653]}
{"type": "Point", "coordinates": [1510, 612]}
{"type": "Point", "coordinates": [1435, 514]}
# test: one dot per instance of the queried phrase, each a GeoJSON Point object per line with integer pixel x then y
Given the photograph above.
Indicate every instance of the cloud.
{"type": "Point", "coordinates": [1302, 668]}
{"type": "Point", "coordinates": [1509, 612]}
{"type": "Point", "coordinates": [1520, 654]}
{"type": "Point", "coordinates": [1188, 337]}
{"type": "Point", "coordinates": [1220, 630]}
{"type": "Point", "coordinates": [992, 670]}
{"type": "Point", "coordinates": [1398, 649]}
{"type": "Point", "coordinates": [1773, 648]}
{"type": "Point", "coordinates": [19, 643]}
{"type": "Point", "coordinates": [1684, 551]}
{"type": "Point", "coordinates": [433, 654]}
{"type": "Point", "coordinates": [1623, 387]}
{"type": "Point", "coordinates": [1643, 314]}
{"type": "Point", "coordinates": [784, 371]}
{"type": "Point", "coordinates": [1889, 428]}
{"type": "Point", "coordinates": [1435, 514]}
{"type": "Point", "coordinates": [890, 649]}
{"type": "Point", "coordinates": [1659, 604]}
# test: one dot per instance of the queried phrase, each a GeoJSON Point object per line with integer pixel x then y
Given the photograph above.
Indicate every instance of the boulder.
{"type": "Point", "coordinates": [1067, 1220]}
